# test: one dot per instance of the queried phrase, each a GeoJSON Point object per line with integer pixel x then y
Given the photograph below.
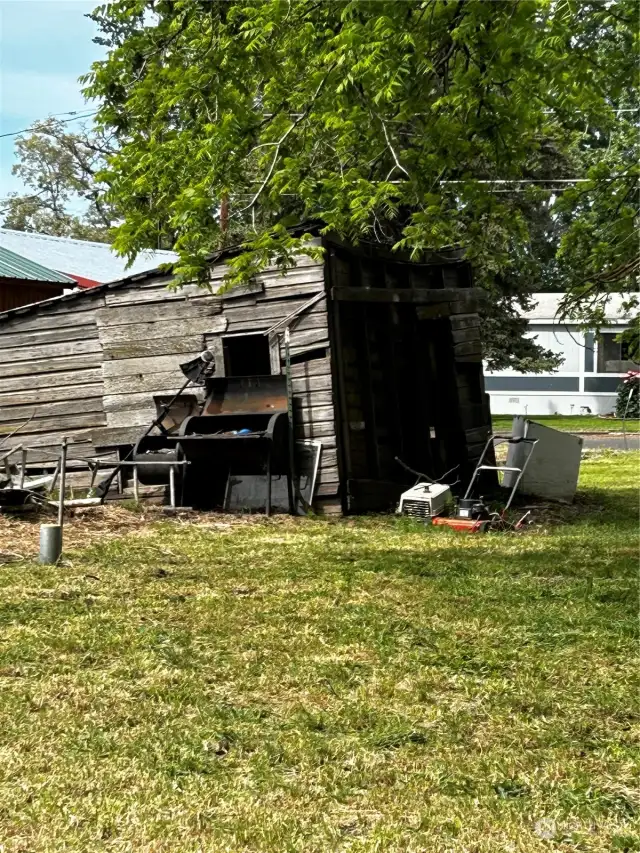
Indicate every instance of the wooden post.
{"type": "Point", "coordinates": [292, 450]}
{"type": "Point", "coordinates": [23, 467]}
{"type": "Point", "coordinates": [63, 478]}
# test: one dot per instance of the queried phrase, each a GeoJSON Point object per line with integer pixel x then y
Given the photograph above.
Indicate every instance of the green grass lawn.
{"type": "Point", "coordinates": [576, 423]}
{"type": "Point", "coordinates": [306, 685]}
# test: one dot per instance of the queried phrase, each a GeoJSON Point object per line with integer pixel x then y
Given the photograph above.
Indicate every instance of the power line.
{"type": "Point", "coordinates": [583, 112]}
{"type": "Point", "coordinates": [63, 121]}
{"type": "Point", "coordinates": [76, 117]}
{"type": "Point", "coordinates": [522, 181]}
{"type": "Point", "coordinates": [67, 113]}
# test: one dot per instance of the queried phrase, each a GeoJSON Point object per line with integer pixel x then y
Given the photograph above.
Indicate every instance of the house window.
{"type": "Point", "coordinates": [247, 355]}
{"type": "Point", "coordinates": [561, 341]}
{"type": "Point", "coordinates": [589, 352]}
{"type": "Point", "coordinates": [613, 355]}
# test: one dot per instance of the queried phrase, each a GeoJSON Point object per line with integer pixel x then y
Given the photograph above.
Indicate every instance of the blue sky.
{"type": "Point", "coordinates": [44, 47]}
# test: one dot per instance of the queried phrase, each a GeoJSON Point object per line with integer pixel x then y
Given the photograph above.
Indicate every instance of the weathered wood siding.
{"type": "Point", "coordinates": [51, 379]}
{"type": "Point", "coordinates": [404, 356]}
{"type": "Point", "coordinates": [147, 331]}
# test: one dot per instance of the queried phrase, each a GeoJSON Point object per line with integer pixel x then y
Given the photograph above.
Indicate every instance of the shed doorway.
{"type": "Point", "coordinates": [398, 398]}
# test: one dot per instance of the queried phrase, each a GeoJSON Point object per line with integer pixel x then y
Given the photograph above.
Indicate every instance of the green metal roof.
{"type": "Point", "coordinates": [13, 265]}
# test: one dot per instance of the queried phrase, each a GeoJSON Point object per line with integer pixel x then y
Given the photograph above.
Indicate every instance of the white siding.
{"type": "Point", "coordinates": [571, 389]}
{"type": "Point", "coordinates": [563, 341]}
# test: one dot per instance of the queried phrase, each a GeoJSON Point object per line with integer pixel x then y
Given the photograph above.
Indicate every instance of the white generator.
{"type": "Point", "coordinates": [425, 500]}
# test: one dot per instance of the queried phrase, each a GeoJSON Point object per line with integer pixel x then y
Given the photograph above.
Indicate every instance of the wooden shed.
{"type": "Point", "coordinates": [385, 363]}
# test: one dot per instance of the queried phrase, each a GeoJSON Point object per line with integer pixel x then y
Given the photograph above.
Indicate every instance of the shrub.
{"type": "Point", "coordinates": [630, 385]}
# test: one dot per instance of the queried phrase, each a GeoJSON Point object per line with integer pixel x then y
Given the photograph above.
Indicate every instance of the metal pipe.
{"type": "Point", "coordinates": [172, 487]}
{"type": "Point", "coordinates": [286, 321]}
{"type": "Point", "coordinates": [50, 543]}
{"type": "Point", "coordinates": [467, 494]}
{"type": "Point", "coordinates": [521, 474]}
{"type": "Point", "coordinates": [136, 492]}
{"type": "Point", "coordinates": [169, 464]}
{"type": "Point", "coordinates": [268, 506]}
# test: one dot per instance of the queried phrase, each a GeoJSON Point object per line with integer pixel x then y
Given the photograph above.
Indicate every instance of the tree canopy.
{"type": "Point", "coordinates": [493, 126]}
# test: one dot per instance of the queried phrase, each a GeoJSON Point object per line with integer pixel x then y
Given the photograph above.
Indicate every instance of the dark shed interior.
{"type": "Point", "coordinates": [405, 387]}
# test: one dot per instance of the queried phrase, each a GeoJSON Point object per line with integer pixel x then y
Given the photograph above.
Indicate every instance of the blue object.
{"type": "Point", "coordinates": [244, 431]}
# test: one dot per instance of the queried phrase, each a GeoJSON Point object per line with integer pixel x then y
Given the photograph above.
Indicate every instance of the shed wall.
{"type": "Point", "coordinates": [147, 331]}
{"type": "Point", "coordinates": [89, 368]}
{"type": "Point", "coordinates": [51, 380]}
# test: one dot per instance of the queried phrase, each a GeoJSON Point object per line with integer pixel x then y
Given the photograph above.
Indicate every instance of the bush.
{"type": "Point", "coordinates": [629, 385]}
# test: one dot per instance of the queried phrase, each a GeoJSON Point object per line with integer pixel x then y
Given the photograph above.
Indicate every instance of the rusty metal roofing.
{"type": "Point", "coordinates": [13, 265]}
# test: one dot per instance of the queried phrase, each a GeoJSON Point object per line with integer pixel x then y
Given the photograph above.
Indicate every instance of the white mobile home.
{"type": "Point", "coordinates": [587, 379]}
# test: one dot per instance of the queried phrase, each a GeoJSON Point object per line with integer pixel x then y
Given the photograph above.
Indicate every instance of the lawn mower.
{"type": "Point", "coordinates": [472, 515]}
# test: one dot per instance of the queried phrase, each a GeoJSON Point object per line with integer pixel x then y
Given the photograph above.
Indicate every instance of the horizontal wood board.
{"type": "Point", "coordinates": [51, 379]}
{"type": "Point", "coordinates": [142, 357]}
{"type": "Point", "coordinates": [94, 363]}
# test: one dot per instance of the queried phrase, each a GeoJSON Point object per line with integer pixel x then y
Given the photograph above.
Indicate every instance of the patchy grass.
{"type": "Point", "coordinates": [567, 423]}
{"type": "Point", "coordinates": [362, 685]}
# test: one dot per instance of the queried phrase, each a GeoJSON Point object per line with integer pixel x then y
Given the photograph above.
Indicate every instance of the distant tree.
{"type": "Point", "coordinates": [599, 248]}
{"type": "Point", "coordinates": [60, 170]}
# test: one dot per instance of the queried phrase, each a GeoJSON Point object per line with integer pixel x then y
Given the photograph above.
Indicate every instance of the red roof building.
{"type": "Point", "coordinates": [83, 263]}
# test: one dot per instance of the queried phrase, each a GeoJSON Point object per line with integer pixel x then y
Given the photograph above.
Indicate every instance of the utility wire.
{"type": "Point", "coordinates": [614, 110]}
{"type": "Point", "coordinates": [521, 181]}
{"type": "Point", "coordinates": [67, 113]}
{"type": "Point", "coordinates": [75, 115]}
{"type": "Point", "coordinates": [63, 121]}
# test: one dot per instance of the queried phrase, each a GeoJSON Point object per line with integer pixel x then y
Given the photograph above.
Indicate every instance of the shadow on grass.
{"type": "Point", "coordinates": [452, 561]}
{"type": "Point", "coordinates": [619, 507]}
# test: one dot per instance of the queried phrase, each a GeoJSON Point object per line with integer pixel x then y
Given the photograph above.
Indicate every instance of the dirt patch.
{"type": "Point", "coordinates": [19, 535]}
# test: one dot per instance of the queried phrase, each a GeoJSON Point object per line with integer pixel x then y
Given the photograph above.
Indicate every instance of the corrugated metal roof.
{"type": "Point", "coordinates": [96, 261]}
{"type": "Point", "coordinates": [13, 265]}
